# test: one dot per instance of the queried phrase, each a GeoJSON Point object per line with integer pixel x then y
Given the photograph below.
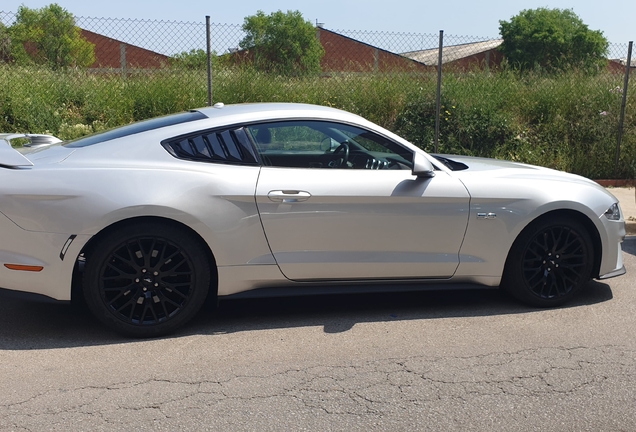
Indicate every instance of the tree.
{"type": "Point", "coordinates": [49, 36]}
{"type": "Point", "coordinates": [5, 43]}
{"type": "Point", "coordinates": [552, 39]}
{"type": "Point", "coordinates": [197, 59]}
{"type": "Point", "coordinates": [282, 43]}
{"type": "Point", "coordinates": [193, 59]}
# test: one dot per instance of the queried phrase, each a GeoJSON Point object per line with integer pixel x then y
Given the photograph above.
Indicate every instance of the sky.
{"type": "Point", "coordinates": [615, 18]}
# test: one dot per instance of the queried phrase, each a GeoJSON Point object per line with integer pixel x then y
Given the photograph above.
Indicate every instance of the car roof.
{"type": "Point", "coordinates": [207, 118]}
{"type": "Point", "coordinates": [275, 110]}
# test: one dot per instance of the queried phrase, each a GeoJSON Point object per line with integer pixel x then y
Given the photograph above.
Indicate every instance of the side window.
{"type": "Point", "coordinates": [290, 137]}
{"type": "Point", "coordinates": [225, 146]}
{"type": "Point", "coordinates": [322, 144]}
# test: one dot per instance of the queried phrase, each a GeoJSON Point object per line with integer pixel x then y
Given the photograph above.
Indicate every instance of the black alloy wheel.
{"type": "Point", "coordinates": [549, 262]}
{"type": "Point", "coordinates": [147, 280]}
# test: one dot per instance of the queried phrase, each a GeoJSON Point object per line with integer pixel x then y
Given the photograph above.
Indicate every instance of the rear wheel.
{"type": "Point", "coordinates": [147, 279]}
{"type": "Point", "coordinates": [549, 262]}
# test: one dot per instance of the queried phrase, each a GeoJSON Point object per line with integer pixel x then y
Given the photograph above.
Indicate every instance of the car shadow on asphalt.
{"type": "Point", "coordinates": [339, 313]}
{"type": "Point", "coordinates": [28, 325]}
{"type": "Point", "coordinates": [629, 245]}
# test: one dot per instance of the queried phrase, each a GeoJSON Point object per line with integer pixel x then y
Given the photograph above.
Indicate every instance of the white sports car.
{"type": "Point", "coordinates": [148, 220]}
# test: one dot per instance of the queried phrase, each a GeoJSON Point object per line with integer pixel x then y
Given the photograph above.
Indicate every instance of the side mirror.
{"type": "Point", "coordinates": [422, 167]}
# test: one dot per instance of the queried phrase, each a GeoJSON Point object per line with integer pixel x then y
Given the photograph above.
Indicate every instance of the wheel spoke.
{"type": "Point", "coordinates": [174, 263]}
{"type": "Point", "coordinates": [172, 302]}
{"type": "Point", "coordinates": [175, 273]}
{"type": "Point", "coordinates": [174, 290]}
{"type": "Point", "coordinates": [163, 306]}
{"type": "Point", "coordinates": [567, 245]}
{"type": "Point", "coordinates": [144, 313]}
{"type": "Point", "coordinates": [556, 238]}
{"type": "Point", "coordinates": [162, 256]}
{"type": "Point", "coordinates": [125, 304]}
{"type": "Point", "coordinates": [122, 292]}
{"type": "Point", "coordinates": [119, 270]}
{"type": "Point", "coordinates": [124, 259]}
{"type": "Point", "coordinates": [545, 288]}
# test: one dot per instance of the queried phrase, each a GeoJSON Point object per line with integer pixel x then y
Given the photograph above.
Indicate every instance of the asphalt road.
{"type": "Point", "coordinates": [469, 360]}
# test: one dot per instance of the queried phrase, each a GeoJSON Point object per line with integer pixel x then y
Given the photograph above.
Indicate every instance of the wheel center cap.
{"type": "Point", "coordinates": [148, 281]}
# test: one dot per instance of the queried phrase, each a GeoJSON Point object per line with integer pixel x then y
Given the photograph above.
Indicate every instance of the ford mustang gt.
{"type": "Point", "coordinates": [148, 221]}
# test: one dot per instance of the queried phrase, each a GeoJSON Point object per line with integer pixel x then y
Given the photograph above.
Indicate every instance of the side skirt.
{"type": "Point", "coordinates": [312, 290]}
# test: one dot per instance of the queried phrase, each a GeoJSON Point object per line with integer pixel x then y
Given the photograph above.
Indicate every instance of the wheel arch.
{"type": "Point", "coordinates": [584, 220]}
{"type": "Point", "coordinates": [76, 284]}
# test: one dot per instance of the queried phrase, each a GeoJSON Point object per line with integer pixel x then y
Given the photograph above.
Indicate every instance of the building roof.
{"type": "Point", "coordinates": [451, 53]}
{"type": "Point", "coordinates": [346, 54]}
{"type": "Point", "coordinates": [623, 61]}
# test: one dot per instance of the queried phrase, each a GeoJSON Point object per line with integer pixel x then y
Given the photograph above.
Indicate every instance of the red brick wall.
{"type": "Point", "coordinates": [108, 53]}
{"type": "Point", "coordinates": [343, 54]}
{"type": "Point", "coordinates": [491, 59]}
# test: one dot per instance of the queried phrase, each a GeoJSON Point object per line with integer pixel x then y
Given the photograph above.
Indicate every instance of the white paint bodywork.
{"type": "Point", "coordinates": [352, 226]}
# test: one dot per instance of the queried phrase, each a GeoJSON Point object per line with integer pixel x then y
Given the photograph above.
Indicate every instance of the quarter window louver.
{"type": "Point", "coordinates": [216, 146]}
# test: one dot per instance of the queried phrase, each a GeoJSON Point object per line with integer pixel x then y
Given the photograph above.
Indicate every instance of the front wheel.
{"type": "Point", "coordinates": [146, 280]}
{"type": "Point", "coordinates": [549, 262]}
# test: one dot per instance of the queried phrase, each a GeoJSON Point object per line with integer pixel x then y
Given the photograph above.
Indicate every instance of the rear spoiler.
{"type": "Point", "coordinates": [11, 158]}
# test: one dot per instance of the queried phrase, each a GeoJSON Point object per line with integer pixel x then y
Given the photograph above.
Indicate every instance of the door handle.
{"type": "Point", "coordinates": [288, 196]}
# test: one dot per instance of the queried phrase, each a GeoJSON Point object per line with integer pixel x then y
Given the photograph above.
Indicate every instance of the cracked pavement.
{"type": "Point", "coordinates": [470, 361]}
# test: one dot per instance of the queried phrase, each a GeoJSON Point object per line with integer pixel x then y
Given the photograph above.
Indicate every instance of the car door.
{"type": "Point", "coordinates": [357, 213]}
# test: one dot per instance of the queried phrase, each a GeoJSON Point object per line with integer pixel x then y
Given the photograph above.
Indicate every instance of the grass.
{"type": "Point", "coordinates": [567, 121]}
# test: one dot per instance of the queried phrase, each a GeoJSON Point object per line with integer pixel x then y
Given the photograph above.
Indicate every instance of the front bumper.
{"type": "Point", "coordinates": [619, 272]}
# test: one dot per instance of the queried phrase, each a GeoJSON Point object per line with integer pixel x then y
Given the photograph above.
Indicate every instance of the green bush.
{"type": "Point", "coordinates": [53, 37]}
{"type": "Point", "coordinates": [567, 121]}
{"type": "Point", "coordinates": [282, 43]}
{"type": "Point", "coordinates": [473, 116]}
{"type": "Point", "coordinates": [552, 40]}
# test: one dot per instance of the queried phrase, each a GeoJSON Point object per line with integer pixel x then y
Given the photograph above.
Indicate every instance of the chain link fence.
{"type": "Point", "coordinates": [146, 68]}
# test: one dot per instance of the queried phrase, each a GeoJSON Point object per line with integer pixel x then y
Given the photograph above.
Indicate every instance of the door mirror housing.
{"type": "Point", "coordinates": [422, 167]}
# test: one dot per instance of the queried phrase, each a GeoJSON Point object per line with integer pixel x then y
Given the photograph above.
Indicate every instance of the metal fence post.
{"type": "Point", "coordinates": [209, 49]}
{"type": "Point", "coordinates": [122, 59]}
{"type": "Point", "coordinates": [621, 121]}
{"type": "Point", "coordinates": [438, 102]}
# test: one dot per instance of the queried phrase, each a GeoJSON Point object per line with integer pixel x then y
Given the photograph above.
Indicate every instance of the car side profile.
{"type": "Point", "coordinates": [151, 219]}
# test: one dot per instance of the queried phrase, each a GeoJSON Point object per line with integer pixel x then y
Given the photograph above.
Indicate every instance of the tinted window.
{"type": "Point", "coordinates": [136, 128]}
{"type": "Point", "coordinates": [322, 144]}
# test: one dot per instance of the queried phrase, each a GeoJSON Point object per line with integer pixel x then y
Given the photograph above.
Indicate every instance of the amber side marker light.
{"type": "Point", "coordinates": [24, 267]}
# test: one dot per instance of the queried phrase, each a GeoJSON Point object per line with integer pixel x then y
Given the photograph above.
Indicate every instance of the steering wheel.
{"type": "Point", "coordinates": [344, 149]}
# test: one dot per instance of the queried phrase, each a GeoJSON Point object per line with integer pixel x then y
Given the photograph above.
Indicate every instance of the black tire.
{"type": "Point", "coordinates": [146, 280]}
{"type": "Point", "coordinates": [549, 262]}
